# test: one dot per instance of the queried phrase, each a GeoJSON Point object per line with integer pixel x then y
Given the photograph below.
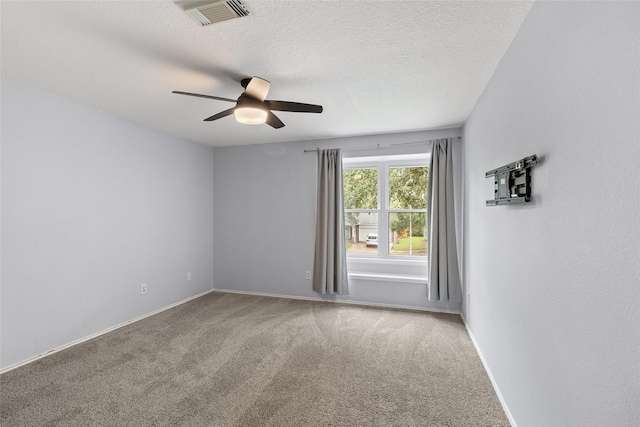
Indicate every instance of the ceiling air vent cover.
{"type": "Point", "coordinates": [208, 12]}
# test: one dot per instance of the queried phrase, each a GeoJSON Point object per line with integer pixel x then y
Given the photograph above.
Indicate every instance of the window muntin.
{"type": "Point", "coordinates": [400, 218]}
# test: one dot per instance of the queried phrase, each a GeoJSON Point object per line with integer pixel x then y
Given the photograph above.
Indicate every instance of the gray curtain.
{"type": "Point", "coordinates": [444, 278]}
{"type": "Point", "coordinates": [330, 260]}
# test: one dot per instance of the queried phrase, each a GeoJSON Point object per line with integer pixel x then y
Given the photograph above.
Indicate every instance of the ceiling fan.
{"type": "Point", "coordinates": [253, 109]}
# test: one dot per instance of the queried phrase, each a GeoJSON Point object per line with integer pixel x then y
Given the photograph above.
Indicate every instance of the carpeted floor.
{"type": "Point", "coordinates": [237, 360]}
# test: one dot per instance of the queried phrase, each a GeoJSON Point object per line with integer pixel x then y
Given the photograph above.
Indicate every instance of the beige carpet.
{"type": "Point", "coordinates": [236, 360]}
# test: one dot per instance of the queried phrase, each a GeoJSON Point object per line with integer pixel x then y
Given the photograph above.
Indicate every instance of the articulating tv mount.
{"type": "Point", "coordinates": [512, 182]}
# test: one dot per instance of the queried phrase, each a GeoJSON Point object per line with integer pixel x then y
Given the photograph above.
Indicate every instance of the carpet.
{"type": "Point", "coordinates": [237, 360]}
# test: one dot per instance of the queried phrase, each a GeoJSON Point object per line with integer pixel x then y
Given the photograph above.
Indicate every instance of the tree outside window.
{"type": "Point", "coordinates": [361, 209]}
{"type": "Point", "coordinates": [407, 210]}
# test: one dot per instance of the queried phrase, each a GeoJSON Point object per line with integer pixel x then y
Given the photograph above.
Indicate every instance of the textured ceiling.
{"type": "Point", "coordinates": [375, 66]}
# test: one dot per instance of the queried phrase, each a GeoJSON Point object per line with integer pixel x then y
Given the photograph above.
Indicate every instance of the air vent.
{"type": "Point", "coordinates": [209, 12]}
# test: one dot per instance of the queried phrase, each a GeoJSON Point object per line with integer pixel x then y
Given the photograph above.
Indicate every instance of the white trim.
{"type": "Point", "coordinates": [398, 278]}
{"type": "Point", "coordinates": [392, 158]}
{"type": "Point", "coordinates": [512, 421]}
{"type": "Point", "coordinates": [97, 334]}
{"type": "Point", "coordinates": [382, 164]}
{"type": "Point", "coordinates": [347, 302]}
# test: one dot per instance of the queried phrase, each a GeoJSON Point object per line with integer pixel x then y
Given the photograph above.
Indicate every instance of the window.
{"type": "Point", "coordinates": [385, 201]}
{"type": "Point", "coordinates": [361, 210]}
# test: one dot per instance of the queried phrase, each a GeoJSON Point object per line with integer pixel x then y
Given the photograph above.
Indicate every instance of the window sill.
{"type": "Point", "coordinates": [395, 270]}
{"type": "Point", "coordinates": [397, 278]}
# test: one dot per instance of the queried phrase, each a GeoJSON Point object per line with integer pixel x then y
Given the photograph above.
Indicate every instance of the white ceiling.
{"type": "Point", "coordinates": [375, 66]}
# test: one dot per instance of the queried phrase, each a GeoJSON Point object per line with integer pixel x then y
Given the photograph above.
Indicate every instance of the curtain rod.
{"type": "Point", "coordinates": [379, 146]}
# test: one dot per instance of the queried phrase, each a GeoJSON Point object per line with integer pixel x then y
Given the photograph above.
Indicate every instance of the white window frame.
{"type": "Point", "coordinates": [383, 262]}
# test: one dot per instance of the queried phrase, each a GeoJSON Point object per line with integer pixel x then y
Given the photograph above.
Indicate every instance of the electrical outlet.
{"type": "Point", "coordinates": [143, 289]}
{"type": "Point", "coordinates": [308, 275]}
{"type": "Point", "coordinates": [188, 276]}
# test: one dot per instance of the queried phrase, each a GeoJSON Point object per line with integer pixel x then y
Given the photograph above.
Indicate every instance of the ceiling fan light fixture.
{"type": "Point", "coordinates": [250, 115]}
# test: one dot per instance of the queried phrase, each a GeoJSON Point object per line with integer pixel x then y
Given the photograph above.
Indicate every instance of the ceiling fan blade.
{"type": "Point", "coordinates": [204, 96]}
{"type": "Point", "coordinates": [297, 107]}
{"type": "Point", "coordinates": [257, 88]}
{"type": "Point", "coordinates": [220, 115]}
{"type": "Point", "coordinates": [274, 121]}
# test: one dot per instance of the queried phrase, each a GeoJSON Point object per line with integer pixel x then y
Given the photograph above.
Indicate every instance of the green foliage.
{"type": "Point", "coordinates": [360, 191]}
{"type": "Point", "coordinates": [401, 223]}
{"type": "Point", "coordinates": [418, 247]}
{"type": "Point", "coordinates": [408, 188]}
{"type": "Point", "coordinates": [360, 188]}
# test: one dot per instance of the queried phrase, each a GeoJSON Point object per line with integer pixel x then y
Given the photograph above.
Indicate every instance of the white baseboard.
{"type": "Point", "coordinates": [359, 303]}
{"type": "Point", "coordinates": [97, 334]}
{"type": "Point", "coordinates": [493, 381]}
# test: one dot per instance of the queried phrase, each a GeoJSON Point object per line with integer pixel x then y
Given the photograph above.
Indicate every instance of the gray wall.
{"type": "Point", "coordinates": [264, 212]}
{"type": "Point", "coordinates": [555, 285]}
{"type": "Point", "coordinates": [92, 207]}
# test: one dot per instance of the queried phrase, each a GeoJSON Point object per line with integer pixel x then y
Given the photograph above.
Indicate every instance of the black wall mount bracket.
{"type": "Point", "coordinates": [512, 182]}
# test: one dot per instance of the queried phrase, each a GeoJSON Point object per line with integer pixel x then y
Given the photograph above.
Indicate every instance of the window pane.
{"type": "Point", "coordinates": [408, 234]}
{"type": "Point", "coordinates": [360, 188]}
{"type": "Point", "coordinates": [408, 187]}
{"type": "Point", "coordinates": [361, 232]}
